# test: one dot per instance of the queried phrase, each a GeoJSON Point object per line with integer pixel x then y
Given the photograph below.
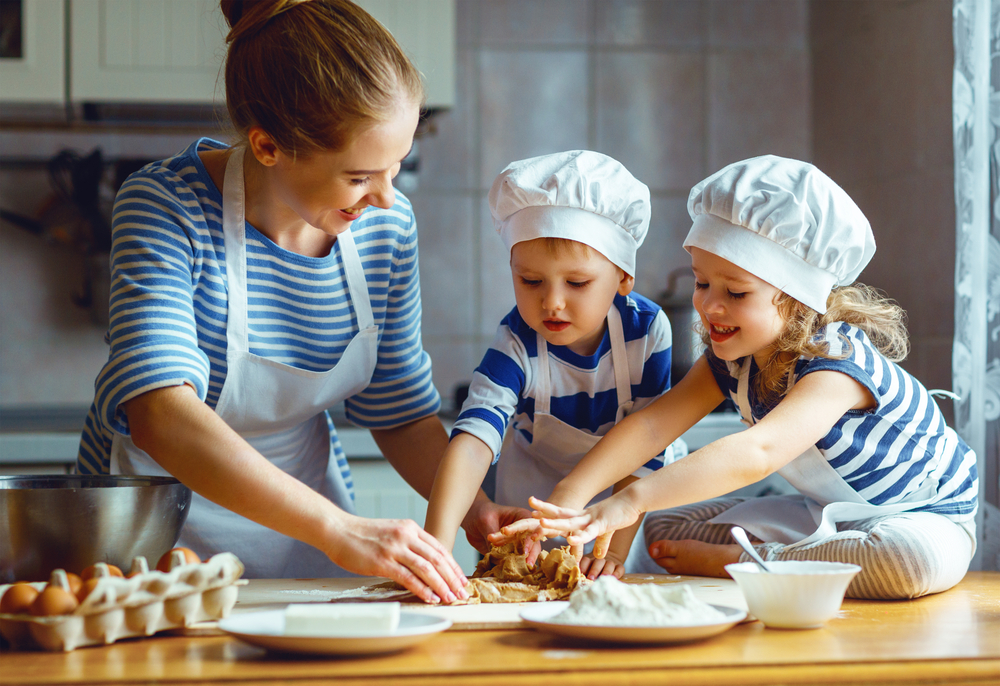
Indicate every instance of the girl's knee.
{"type": "Point", "coordinates": [909, 556]}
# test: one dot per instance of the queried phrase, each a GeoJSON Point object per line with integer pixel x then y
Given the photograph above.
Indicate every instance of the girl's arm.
{"type": "Point", "coordinates": [806, 414]}
{"type": "Point", "coordinates": [189, 440]}
{"type": "Point", "coordinates": [628, 446]}
{"type": "Point", "coordinates": [621, 544]}
{"type": "Point", "coordinates": [631, 443]}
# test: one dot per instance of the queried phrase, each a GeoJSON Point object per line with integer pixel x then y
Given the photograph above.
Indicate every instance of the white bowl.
{"type": "Point", "coordinates": [796, 594]}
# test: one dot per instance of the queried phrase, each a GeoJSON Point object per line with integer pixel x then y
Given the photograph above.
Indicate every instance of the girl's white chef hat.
{"type": "Point", "coordinates": [785, 222]}
{"type": "Point", "coordinates": [578, 195]}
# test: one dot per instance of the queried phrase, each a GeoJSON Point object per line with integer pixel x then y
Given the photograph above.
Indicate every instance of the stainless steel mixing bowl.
{"type": "Point", "coordinates": [70, 522]}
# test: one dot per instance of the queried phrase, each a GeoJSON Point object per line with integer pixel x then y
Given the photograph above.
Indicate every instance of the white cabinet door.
{"type": "Point", "coordinates": [147, 51]}
{"type": "Point", "coordinates": [173, 50]}
{"type": "Point", "coordinates": [39, 74]}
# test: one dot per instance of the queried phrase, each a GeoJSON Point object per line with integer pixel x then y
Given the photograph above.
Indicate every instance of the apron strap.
{"type": "Point", "coordinates": [543, 386]}
{"type": "Point", "coordinates": [235, 235]}
{"type": "Point", "coordinates": [743, 391]}
{"type": "Point", "coordinates": [356, 284]}
{"type": "Point", "coordinates": [619, 356]}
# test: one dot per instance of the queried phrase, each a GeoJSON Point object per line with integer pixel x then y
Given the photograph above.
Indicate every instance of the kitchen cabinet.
{"type": "Point", "coordinates": [173, 51]}
{"type": "Point", "coordinates": [34, 68]}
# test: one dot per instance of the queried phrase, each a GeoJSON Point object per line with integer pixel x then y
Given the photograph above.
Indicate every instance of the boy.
{"type": "Point", "coordinates": [577, 352]}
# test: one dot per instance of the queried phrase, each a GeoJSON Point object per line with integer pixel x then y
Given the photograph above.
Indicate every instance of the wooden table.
{"type": "Point", "coordinates": [953, 638]}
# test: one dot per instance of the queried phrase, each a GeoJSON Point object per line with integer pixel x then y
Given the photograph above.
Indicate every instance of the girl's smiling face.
{"type": "Point", "coordinates": [737, 308]}
{"type": "Point", "coordinates": [565, 293]}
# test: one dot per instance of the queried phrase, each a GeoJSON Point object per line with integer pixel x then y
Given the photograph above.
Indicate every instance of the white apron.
{"type": "Point", "coordinates": [277, 408]}
{"type": "Point", "coordinates": [825, 499]}
{"type": "Point", "coordinates": [527, 469]}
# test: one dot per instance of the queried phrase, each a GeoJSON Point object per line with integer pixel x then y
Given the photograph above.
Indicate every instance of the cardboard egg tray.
{"type": "Point", "coordinates": [143, 605]}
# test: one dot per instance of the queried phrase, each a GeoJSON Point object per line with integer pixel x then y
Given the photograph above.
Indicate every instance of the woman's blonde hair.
{"type": "Point", "coordinates": [882, 319]}
{"type": "Point", "coordinates": [311, 72]}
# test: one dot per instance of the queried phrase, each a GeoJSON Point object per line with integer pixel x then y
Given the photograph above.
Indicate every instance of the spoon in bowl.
{"type": "Point", "coordinates": [741, 537]}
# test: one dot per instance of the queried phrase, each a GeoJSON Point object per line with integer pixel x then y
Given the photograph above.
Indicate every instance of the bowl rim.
{"type": "Point", "coordinates": [753, 568]}
{"type": "Point", "coordinates": [42, 482]}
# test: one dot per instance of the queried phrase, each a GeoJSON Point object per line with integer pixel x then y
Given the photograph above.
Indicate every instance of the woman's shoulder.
{"type": "Point", "coordinates": [177, 180]}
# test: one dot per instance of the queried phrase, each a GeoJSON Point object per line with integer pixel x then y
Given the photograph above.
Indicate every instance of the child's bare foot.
{"type": "Point", "coordinates": [694, 558]}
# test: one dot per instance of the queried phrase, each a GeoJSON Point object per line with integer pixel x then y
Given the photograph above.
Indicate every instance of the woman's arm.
{"type": "Point", "coordinates": [807, 414]}
{"type": "Point", "coordinates": [193, 443]}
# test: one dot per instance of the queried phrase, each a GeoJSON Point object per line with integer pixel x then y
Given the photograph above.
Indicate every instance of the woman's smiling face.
{"type": "Point", "coordinates": [737, 308]}
{"type": "Point", "coordinates": [329, 190]}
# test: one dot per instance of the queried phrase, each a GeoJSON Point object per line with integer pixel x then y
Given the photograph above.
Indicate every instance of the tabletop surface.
{"type": "Point", "coordinates": [952, 637]}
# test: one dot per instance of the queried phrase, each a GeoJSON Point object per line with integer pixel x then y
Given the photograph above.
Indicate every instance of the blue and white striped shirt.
{"type": "Point", "coordinates": [891, 452]}
{"type": "Point", "coordinates": [583, 388]}
{"type": "Point", "coordinates": [169, 304]}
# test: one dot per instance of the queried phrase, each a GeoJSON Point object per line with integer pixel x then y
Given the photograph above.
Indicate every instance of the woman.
{"type": "Point", "coordinates": [256, 286]}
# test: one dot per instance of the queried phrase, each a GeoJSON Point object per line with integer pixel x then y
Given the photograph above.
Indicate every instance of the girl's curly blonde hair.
{"type": "Point", "coordinates": [882, 319]}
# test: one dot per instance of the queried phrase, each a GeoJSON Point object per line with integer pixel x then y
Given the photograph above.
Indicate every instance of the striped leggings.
{"type": "Point", "coordinates": [904, 555]}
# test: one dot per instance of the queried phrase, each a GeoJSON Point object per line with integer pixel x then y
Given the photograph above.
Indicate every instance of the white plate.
{"type": "Point", "coordinates": [267, 630]}
{"type": "Point", "coordinates": [541, 618]}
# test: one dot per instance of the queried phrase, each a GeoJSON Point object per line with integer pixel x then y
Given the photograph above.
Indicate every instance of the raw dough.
{"type": "Point", "coordinates": [502, 576]}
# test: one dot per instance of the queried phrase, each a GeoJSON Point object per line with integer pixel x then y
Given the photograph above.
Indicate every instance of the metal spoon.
{"type": "Point", "coordinates": [741, 537]}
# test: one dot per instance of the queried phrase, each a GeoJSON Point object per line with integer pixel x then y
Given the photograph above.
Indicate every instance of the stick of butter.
{"type": "Point", "coordinates": [341, 619]}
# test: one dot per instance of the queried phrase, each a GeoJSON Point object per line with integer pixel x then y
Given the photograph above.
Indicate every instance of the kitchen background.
{"type": "Point", "coordinates": [674, 89]}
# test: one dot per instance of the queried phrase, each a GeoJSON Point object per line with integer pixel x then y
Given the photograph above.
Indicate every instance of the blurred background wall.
{"type": "Point", "coordinates": [675, 89]}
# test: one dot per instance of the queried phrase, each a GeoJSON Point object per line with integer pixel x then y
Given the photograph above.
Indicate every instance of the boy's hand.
{"type": "Point", "coordinates": [594, 567]}
{"type": "Point", "coordinates": [485, 520]}
{"type": "Point", "coordinates": [598, 522]}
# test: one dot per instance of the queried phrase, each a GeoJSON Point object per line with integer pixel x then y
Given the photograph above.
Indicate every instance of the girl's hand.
{"type": "Point", "coordinates": [529, 532]}
{"type": "Point", "coordinates": [402, 551]}
{"type": "Point", "coordinates": [597, 523]}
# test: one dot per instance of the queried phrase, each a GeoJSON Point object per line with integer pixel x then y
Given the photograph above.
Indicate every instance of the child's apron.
{"type": "Point", "coordinates": [277, 408]}
{"type": "Point", "coordinates": [825, 499]}
{"type": "Point", "coordinates": [534, 468]}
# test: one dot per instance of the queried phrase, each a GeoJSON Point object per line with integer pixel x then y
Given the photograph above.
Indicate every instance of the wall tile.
{"type": "Point", "coordinates": [641, 23]}
{"type": "Point", "coordinates": [758, 104]}
{"type": "Point", "coordinates": [662, 251]}
{"type": "Point", "coordinates": [758, 23]}
{"type": "Point", "coordinates": [453, 361]}
{"type": "Point", "coordinates": [533, 103]}
{"type": "Point", "coordinates": [50, 349]}
{"type": "Point", "coordinates": [445, 223]}
{"type": "Point", "coordinates": [913, 220]}
{"type": "Point", "coordinates": [651, 116]}
{"type": "Point", "coordinates": [467, 22]}
{"type": "Point", "coordinates": [447, 154]}
{"type": "Point", "coordinates": [529, 22]}
{"type": "Point", "coordinates": [495, 281]}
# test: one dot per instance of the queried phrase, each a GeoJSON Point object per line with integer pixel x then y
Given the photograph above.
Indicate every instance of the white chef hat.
{"type": "Point", "coordinates": [579, 195]}
{"type": "Point", "coordinates": [785, 222]}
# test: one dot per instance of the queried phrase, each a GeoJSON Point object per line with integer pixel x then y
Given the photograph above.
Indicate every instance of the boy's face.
{"type": "Point", "coordinates": [737, 308]}
{"type": "Point", "coordinates": [565, 294]}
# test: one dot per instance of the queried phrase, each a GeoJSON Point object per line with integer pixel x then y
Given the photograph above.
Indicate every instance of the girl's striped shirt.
{"type": "Point", "coordinates": [889, 454]}
{"type": "Point", "coordinates": [168, 308]}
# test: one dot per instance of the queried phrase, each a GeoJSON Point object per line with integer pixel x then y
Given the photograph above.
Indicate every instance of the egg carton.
{"type": "Point", "coordinates": [142, 605]}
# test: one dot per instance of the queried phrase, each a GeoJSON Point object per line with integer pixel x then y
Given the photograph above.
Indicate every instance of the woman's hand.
{"type": "Point", "coordinates": [402, 551]}
{"type": "Point", "coordinates": [597, 523]}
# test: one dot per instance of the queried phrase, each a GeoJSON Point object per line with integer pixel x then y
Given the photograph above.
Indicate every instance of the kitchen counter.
{"type": "Point", "coordinates": [952, 638]}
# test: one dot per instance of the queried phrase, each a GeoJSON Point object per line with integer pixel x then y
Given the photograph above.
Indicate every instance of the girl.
{"type": "Point", "coordinates": [810, 361]}
{"type": "Point", "coordinates": [254, 286]}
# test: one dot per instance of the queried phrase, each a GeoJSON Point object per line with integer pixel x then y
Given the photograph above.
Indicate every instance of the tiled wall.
{"type": "Point", "coordinates": [674, 89]}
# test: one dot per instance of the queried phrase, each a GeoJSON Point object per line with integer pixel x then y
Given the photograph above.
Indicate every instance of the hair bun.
{"type": "Point", "coordinates": [246, 17]}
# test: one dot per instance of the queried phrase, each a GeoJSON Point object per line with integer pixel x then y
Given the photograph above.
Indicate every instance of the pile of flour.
{"type": "Point", "coordinates": [609, 602]}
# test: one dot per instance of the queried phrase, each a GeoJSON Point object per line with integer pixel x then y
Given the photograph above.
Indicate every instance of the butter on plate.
{"type": "Point", "coordinates": [341, 619]}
